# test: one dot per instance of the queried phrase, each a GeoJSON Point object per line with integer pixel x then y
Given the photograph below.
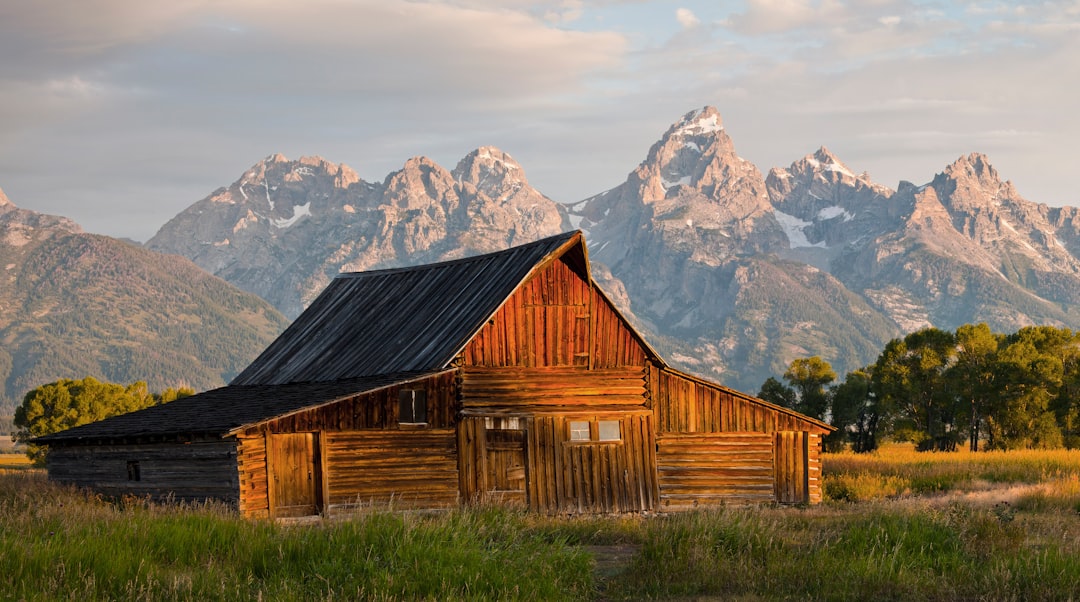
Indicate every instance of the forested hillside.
{"type": "Point", "coordinates": [74, 304]}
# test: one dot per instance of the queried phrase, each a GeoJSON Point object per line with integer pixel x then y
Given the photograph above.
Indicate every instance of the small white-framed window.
{"type": "Point", "coordinates": [609, 430]}
{"type": "Point", "coordinates": [412, 406]}
{"type": "Point", "coordinates": [579, 430]}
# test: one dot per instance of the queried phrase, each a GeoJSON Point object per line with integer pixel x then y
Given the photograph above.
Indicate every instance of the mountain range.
{"type": "Point", "coordinates": [732, 273]}
{"type": "Point", "coordinates": [74, 304]}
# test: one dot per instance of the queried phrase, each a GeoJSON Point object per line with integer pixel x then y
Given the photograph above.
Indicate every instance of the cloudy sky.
{"type": "Point", "coordinates": [120, 114]}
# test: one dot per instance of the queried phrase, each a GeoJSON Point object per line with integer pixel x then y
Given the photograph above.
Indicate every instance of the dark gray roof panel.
{"type": "Point", "coordinates": [219, 411]}
{"type": "Point", "coordinates": [397, 320]}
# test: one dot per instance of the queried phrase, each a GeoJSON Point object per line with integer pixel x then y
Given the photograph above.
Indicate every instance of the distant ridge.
{"type": "Point", "coordinates": [76, 304]}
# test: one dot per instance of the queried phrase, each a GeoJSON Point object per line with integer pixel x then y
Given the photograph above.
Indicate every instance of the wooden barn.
{"type": "Point", "coordinates": [509, 376]}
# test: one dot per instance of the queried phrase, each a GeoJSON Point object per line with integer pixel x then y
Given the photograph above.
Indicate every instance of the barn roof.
{"type": "Point", "coordinates": [405, 319]}
{"type": "Point", "coordinates": [224, 410]}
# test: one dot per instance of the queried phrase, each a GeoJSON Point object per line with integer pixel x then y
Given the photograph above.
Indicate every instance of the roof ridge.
{"type": "Point", "coordinates": [460, 260]}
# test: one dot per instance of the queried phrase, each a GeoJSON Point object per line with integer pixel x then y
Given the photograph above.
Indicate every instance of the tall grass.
{"type": "Point", "coordinates": [898, 471]}
{"type": "Point", "coordinates": [58, 543]}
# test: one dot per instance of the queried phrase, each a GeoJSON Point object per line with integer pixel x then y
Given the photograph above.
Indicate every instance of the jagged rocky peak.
{"type": "Point", "coordinates": [971, 183]}
{"type": "Point", "coordinates": [419, 183]}
{"type": "Point", "coordinates": [490, 171]}
{"type": "Point", "coordinates": [696, 156]}
{"type": "Point", "coordinates": [4, 202]}
{"type": "Point", "coordinates": [705, 120]}
{"type": "Point", "coordinates": [489, 158]}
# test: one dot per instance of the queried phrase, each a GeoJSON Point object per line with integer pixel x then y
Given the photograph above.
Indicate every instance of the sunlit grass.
{"type": "Point", "coordinates": [891, 538]}
{"type": "Point", "coordinates": [898, 470]}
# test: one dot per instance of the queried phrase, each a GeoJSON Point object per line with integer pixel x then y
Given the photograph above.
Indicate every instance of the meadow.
{"type": "Point", "coordinates": [897, 525]}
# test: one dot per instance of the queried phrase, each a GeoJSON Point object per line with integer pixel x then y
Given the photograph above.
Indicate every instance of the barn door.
{"type": "Point", "coordinates": [790, 459]}
{"type": "Point", "coordinates": [506, 464]}
{"type": "Point", "coordinates": [294, 480]}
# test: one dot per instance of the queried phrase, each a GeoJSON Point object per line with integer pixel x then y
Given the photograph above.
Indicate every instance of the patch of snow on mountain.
{"type": "Point", "coordinates": [793, 228]}
{"type": "Point", "coordinates": [683, 181]}
{"type": "Point", "coordinates": [299, 211]}
{"type": "Point", "coordinates": [692, 146]}
{"type": "Point", "coordinates": [698, 125]}
{"type": "Point", "coordinates": [828, 213]}
{"type": "Point", "coordinates": [839, 168]}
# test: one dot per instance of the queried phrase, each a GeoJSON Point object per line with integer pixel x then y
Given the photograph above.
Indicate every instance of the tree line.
{"type": "Point", "coordinates": [68, 403]}
{"type": "Point", "coordinates": [942, 389]}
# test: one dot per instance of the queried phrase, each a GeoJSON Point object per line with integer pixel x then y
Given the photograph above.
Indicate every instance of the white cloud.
{"type": "Point", "coordinates": [687, 18]}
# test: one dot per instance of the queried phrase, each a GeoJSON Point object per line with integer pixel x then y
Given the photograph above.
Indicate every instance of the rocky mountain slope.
{"type": "Point", "coordinates": [855, 263]}
{"type": "Point", "coordinates": [286, 228]}
{"type": "Point", "coordinates": [74, 304]}
{"type": "Point", "coordinates": [732, 273]}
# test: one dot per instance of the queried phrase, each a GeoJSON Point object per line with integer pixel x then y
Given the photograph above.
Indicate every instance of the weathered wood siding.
{"type": "Point", "coordinates": [254, 488]}
{"type": "Point", "coordinates": [387, 462]}
{"type": "Point", "coordinates": [522, 388]}
{"type": "Point", "coordinates": [700, 426]}
{"type": "Point", "coordinates": [196, 471]}
{"type": "Point", "coordinates": [709, 468]}
{"type": "Point", "coordinates": [556, 318]}
{"type": "Point", "coordinates": [686, 405]}
{"type": "Point", "coordinates": [407, 469]}
{"type": "Point", "coordinates": [376, 410]}
{"type": "Point", "coordinates": [563, 476]}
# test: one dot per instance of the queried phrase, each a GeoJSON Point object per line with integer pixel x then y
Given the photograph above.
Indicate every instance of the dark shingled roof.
{"type": "Point", "coordinates": [399, 320]}
{"type": "Point", "coordinates": [220, 411]}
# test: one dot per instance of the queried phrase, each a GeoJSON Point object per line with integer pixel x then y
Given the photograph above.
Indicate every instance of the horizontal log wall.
{"type": "Point", "coordinates": [194, 471]}
{"type": "Point", "coordinates": [254, 484]}
{"type": "Point", "coordinates": [483, 387]}
{"type": "Point", "coordinates": [410, 469]}
{"type": "Point", "coordinates": [813, 463]}
{"type": "Point", "coordinates": [710, 468]}
{"type": "Point", "coordinates": [556, 318]}
{"type": "Point", "coordinates": [377, 410]}
{"type": "Point", "coordinates": [685, 405]}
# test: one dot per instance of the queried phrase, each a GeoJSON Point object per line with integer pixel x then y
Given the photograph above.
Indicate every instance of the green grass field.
{"type": "Point", "coordinates": [906, 526]}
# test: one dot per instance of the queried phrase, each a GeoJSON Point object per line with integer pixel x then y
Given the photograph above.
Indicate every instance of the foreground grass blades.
{"type": "Point", "coordinates": [988, 527]}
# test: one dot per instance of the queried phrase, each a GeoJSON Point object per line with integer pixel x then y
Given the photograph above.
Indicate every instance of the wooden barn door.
{"type": "Point", "coordinates": [505, 464]}
{"type": "Point", "coordinates": [791, 461]}
{"type": "Point", "coordinates": [292, 470]}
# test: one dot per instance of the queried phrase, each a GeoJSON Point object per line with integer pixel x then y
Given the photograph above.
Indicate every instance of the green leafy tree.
{"type": "Point", "coordinates": [67, 403]}
{"type": "Point", "coordinates": [910, 376]}
{"type": "Point", "coordinates": [1030, 376]}
{"type": "Point", "coordinates": [857, 411]}
{"type": "Point", "coordinates": [777, 392]}
{"type": "Point", "coordinates": [973, 377]}
{"type": "Point", "coordinates": [809, 377]}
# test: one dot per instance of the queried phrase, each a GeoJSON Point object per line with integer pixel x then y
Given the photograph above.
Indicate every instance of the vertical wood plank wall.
{"type": "Point", "coordinates": [195, 471]}
{"type": "Point", "coordinates": [555, 319]}
{"type": "Point", "coordinates": [697, 425]}
{"type": "Point", "coordinates": [566, 476]}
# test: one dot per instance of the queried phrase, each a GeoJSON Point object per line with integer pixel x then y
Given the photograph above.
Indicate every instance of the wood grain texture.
{"type": "Point", "coordinates": [195, 471]}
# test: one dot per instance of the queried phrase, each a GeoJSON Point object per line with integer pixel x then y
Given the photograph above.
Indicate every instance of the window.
{"type": "Point", "coordinates": [609, 430]}
{"type": "Point", "coordinates": [595, 430]}
{"type": "Point", "coordinates": [133, 470]}
{"type": "Point", "coordinates": [412, 406]}
{"type": "Point", "coordinates": [579, 431]}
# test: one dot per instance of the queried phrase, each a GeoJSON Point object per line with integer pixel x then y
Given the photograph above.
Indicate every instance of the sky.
{"type": "Point", "coordinates": [121, 114]}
